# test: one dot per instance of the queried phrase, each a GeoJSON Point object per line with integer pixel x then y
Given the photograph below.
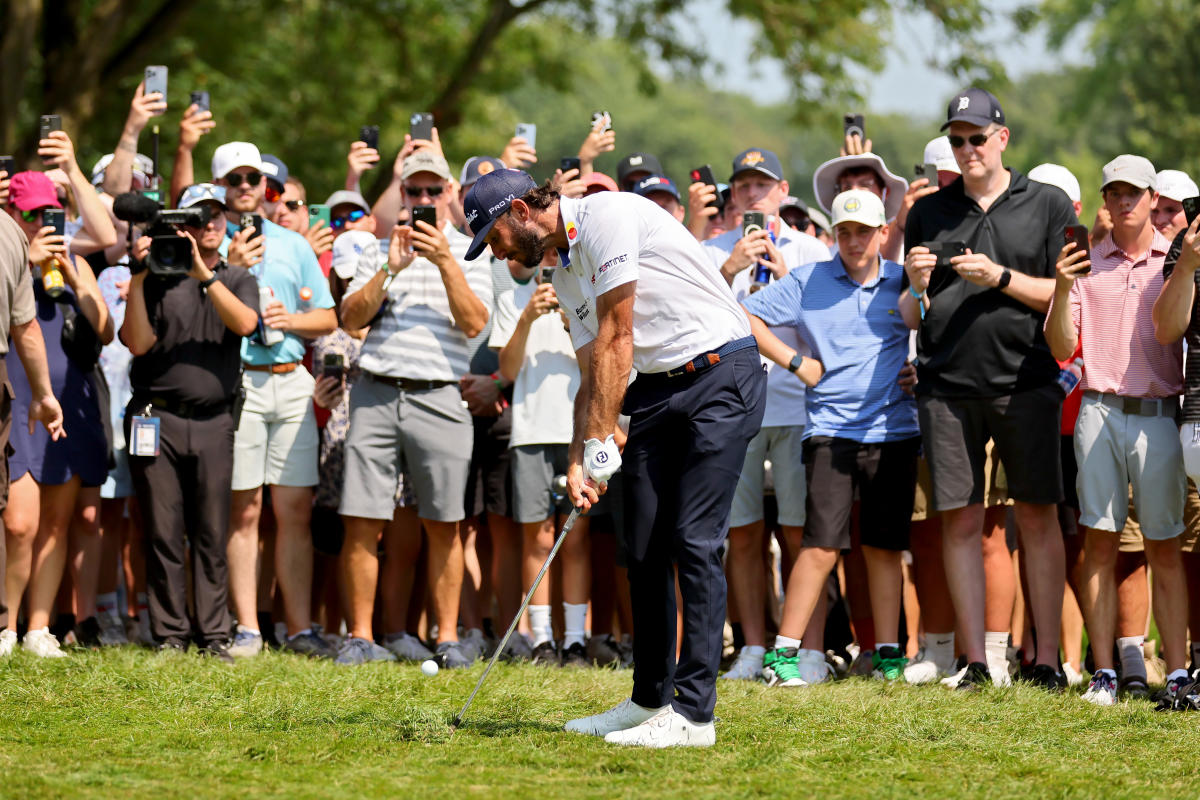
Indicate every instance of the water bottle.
{"type": "Point", "coordinates": [270, 336]}
{"type": "Point", "coordinates": [52, 277]}
{"type": "Point", "coordinates": [762, 272]}
{"type": "Point", "coordinates": [1068, 376]}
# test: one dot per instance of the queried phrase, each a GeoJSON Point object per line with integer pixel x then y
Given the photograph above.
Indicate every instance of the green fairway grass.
{"type": "Point", "coordinates": [129, 723]}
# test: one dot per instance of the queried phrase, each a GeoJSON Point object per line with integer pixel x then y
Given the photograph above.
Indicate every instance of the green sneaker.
{"type": "Point", "coordinates": [888, 663]}
{"type": "Point", "coordinates": [781, 667]}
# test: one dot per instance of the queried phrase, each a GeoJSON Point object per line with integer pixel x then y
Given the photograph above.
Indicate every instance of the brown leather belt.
{"type": "Point", "coordinates": [276, 369]}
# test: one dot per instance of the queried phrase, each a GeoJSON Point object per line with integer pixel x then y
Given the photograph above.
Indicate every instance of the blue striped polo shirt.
{"type": "Point", "coordinates": [856, 331]}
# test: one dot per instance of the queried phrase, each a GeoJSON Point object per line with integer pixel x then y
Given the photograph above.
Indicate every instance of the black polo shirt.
{"type": "Point", "coordinates": [196, 359]}
{"type": "Point", "coordinates": [977, 341]}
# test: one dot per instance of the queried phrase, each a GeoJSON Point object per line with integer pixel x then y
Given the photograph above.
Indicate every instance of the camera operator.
{"type": "Point", "coordinates": [185, 336]}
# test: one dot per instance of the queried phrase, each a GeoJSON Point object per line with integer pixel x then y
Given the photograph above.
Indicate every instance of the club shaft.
{"type": "Point", "coordinates": [570, 523]}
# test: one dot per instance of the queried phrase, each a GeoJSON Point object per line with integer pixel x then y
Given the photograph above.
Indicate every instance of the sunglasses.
{"type": "Point", "coordinates": [294, 205]}
{"type": "Point", "coordinates": [976, 139]}
{"type": "Point", "coordinates": [416, 191]}
{"type": "Point", "coordinates": [32, 216]}
{"type": "Point", "coordinates": [235, 179]}
{"type": "Point", "coordinates": [271, 194]}
{"type": "Point", "coordinates": [339, 222]}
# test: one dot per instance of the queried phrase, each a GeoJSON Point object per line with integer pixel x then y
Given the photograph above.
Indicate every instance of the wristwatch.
{"type": "Point", "coordinates": [1005, 279]}
{"type": "Point", "coordinates": [207, 283]}
{"type": "Point", "coordinates": [795, 363]}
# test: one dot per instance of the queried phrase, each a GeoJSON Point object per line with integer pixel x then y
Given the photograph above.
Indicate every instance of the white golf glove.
{"type": "Point", "coordinates": [601, 460]}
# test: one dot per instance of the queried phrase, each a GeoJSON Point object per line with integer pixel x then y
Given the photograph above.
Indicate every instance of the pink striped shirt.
{"type": "Point", "coordinates": [1112, 312]}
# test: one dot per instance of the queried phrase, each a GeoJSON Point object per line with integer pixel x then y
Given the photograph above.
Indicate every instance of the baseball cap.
{"type": "Point", "coordinates": [30, 190]}
{"type": "Point", "coordinates": [792, 201]}
{"type": "Point", "coordinates": [939, 152]}
{"type": "Point", "coordinates": [275, 169]}
{"type": "Point", "coordinates": [202, 192]}
{"type": "Point", "coordinates": [348, 250]}
{"type": "Point", "coordinates": [825, 180]}
{"type": "Point", "coordinates": [820, 220]}
{"type": "Point", "coordinates": [232, 155]}
{"type": "Point", "coordinates": [346, 196]}
{"type": "Point", "coordinates": [424, 161]}
{"type": "Point", "coordinates": [637, 162]}
{"type": "Point", "coordinates": [1060, 176]}
{"type": "Point", "coordinates": [142, 167]}
{"type": "Point", "coordinates": [478, 166]}
{"type": "Point", "coordinates": [594, 179]}
{"type": "Point", "coordinates": [757, 159]}
{"type": "Point", "coordinates": [1134, 170]}
{"type": "Point", "coordinates": [859, 205]}
{"type": "Point", "coordinates": [974, 106]}
{"type": "Point", "coordinates": [1175, 185]}
{"type": "Point", "coordinates": [490, 197]}
{"type": "Point", "coordinates": [656, 183]}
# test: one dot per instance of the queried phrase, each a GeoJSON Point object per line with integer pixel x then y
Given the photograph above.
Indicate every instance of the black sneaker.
{"type": "Point", "coordinates": [975, 678]}
{"type": "Point", "coordinates": [171, 646]}
{"type": "Point", "coordinates": [1134, 687]}
{"type": "Point", "coordinates": [87, 633]}
{"type": "Point", "coordinates": [545, 655]}
{"type": "Point", "coordinates": [575, 656]}
{"type": "Point", "coordinates": [309, 644]}
{"type": "Point", "coordinates": [1173, 696]}
{"type": "Point", "coordinates": [1046, 677]}
{"type": "Point", "coordinates": [603, 651]}
{"type": "Point", "coordinates": [218, 649]}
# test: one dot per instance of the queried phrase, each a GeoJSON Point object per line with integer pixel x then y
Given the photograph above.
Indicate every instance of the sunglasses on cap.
{"type": "Point", "coordinates": [235, 179]}
{"type": "Point", "coordinates": [416, 191]}
{"type": "Point", "coordinates": [976, 139]}
{"type": "Point", "coordinates": [340, 221]}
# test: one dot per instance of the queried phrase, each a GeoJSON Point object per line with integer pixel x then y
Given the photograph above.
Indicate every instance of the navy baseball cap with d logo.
{"type": "Point", "coordinates": [490, 197]}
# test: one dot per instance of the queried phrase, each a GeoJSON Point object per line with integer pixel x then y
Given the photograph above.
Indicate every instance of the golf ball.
{"type": "Point", "coordinates": [429, 667]}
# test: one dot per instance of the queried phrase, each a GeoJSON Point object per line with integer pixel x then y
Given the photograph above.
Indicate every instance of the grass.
{"type": "Point", "coordinates": [130, 723]}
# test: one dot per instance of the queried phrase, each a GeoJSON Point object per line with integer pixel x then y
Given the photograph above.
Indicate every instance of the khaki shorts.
{"type": "Point", "coordinates": [1131, 534]}
{"type": "Point", "coordinates": [783, 446]}
{"type": "Point", "coordinates": [995, 485]}
{"type": "Point", "coordinates": [276, 443]}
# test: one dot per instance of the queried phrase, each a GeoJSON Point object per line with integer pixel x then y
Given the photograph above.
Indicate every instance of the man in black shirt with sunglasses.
{"type": "Point", "coordinates": [985, 370]}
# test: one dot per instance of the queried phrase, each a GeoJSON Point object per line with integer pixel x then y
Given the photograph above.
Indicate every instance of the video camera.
{"type": "Point", "coordinates": [170, 254]}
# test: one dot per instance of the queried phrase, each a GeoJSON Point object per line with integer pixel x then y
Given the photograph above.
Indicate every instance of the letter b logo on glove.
{"type": "Point", "coordinates": [601, 460]}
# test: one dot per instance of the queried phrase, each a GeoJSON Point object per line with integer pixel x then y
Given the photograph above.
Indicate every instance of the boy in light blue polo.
{"type": "Point", "coordinates": [862, 429]}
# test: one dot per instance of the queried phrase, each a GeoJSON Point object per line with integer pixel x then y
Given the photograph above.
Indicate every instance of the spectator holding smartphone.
{"type": "Point", "coordinates": [1167, 215]}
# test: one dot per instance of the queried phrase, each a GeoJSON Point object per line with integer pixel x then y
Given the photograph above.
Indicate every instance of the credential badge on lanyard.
{"type": "Point", "coordinates": [144, 434]}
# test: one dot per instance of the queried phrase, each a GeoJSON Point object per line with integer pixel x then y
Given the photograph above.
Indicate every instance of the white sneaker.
{"type": "Point", "coordinates": [951, 681]}
{"type": "Point", "coordinates": [747, 667]}
{"type": "Point", "coordinates": [1102, 691]}
{"type": "Point", "coordinates": [247, 642]}
{"type": "Point", "coordinates": [1073, 678]}
{"type": "Point", "coordinates": [813, 667]}
{"type": "Point", "coordinates": [998, 668]}
{"type": "Point", "coordinates": [8, 641]}
{"type": "Point", "coordinates": [668, 728]}
{"type": "Point", "coordinates": [625, 714]}
{"type": "Point", "coordinates": [407, 647]}
{"type": "Point", "coordinates": [41, 643]}
{"type": "Point", "coordinates": [923, 670]}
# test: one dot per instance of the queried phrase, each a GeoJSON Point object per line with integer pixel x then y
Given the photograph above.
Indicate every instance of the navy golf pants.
{"type": "Point", "coordinates": [687, 441]}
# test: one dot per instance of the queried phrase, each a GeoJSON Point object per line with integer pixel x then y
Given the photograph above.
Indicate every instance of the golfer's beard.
{"type": "Point", "coordinates": [530, 248]}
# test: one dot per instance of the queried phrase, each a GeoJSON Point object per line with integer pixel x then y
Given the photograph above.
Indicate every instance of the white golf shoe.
{"type": "Point", "coordinates": [625, 714]}
{"type": "Point", "coordinates": [667, 728]}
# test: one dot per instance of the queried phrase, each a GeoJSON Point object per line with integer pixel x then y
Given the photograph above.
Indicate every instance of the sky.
{"type": "Point", "coordinates": [906, 84]}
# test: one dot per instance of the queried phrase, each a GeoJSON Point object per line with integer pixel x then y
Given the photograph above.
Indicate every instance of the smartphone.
{"type": "Point", "coordinates": [255, 221]}
{"type": "Point", "coordinates": [528, 132]}
{"type": "Point", "coordinates": [55, 218]}
{"type": "Point", "coordinates": [946, 251]}
{"type": "Point", "coordinates": [601, 120]}
{"type": "Point", "coordinates": [1079, 235]}
{"type": "Point", "coordinates": [201, 101]}
{"type": "Point", "coordinates": [753, 221]}
{"type": "Point", "coordinates": [919, 171]}
{"type": "Point", "coordinates": [1191, 209]}
{"type": "Point", "coordinates": [547, 275]}
{"type": "Point", "coordinates": [156, 81]}
{"type": "Point", "coordinates": [421, 125]}
{"type": "Point", "coordinates": [704, 174]}
{"type": "Point", "coordinates": [568, 164]}
{"type": "Point", "coordinates": [7, 165]}
{"type": "Point", "coordinates": [333, 365]}
{"type": "Point", "coordinates": [370, 135]}
{"type": "Point", "coordinates": [931, 172]}
{"type": "Point", "coordinates": [854, 124]}
{"type": "Point", "coordinates": [50, 122]}
{"type": "Point", "coordinates": [318, 212]}
{"type": "Point", "coordinates": [424, 214]}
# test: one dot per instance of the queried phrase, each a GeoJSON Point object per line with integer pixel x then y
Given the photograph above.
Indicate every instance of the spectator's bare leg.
{"type": "Point", "coordinates": [1100, 593]}
{"type": "Point", "coordinates": [961, 547]}
{"type": "Point", "coordinates": [50, 550]}
{"type": "Point", "coordinates": [242, 555]}
{"type": "Point", "coordinates": [20, 529]}
{"type": "Point", "coordinates": [744, 566]}
{"type": "Point", "coordinates": [886, 585]}
{"type": "Point", "coordinates": [85, 551]}
{"type": "Point", "coordinates": [401, 546]}
{"type": "Point", "coordinates": [360, 573]}
{"type": "Point", "coordinates": [1170, 600]}
{"type": "Point", "coordinates": [294, 553]}
{"type": "Point", "coordinates": [445, 575]}
{"type": "Point", "coordinates": [1045, 570]}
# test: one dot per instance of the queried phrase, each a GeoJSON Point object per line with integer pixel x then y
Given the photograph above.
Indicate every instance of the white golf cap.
{"type": "Point", "coordinates": [232, 155]}
{"type": "Point", "coordinates": [1134, 170]}
{"type": "Point", "coordinates": [1060, 176]}
{"type": "Point", "coordinates": [859, 205]}
{"type": "Point", "coordinates": [938, 151]}
{"type": "Point", "coordinates": [826, 176]}
{"type": "Point", "coordinates": [1176, 185]}
{"type": "Point", "coordinates": [348, 250]}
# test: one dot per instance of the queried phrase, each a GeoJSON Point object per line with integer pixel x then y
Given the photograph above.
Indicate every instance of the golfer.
{"type": "Point", "coordinates": [639, 292]}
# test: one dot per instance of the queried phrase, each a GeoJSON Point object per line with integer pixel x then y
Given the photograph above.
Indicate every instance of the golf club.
{"type": "Point", "coordinates": [513, 625]}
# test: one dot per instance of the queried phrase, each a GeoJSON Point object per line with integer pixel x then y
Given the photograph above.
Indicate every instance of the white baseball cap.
{"type": "Point", "coordinates": [232, 155]}
{"type": "Point", "coordinates": [1060, 176]}
{"type": "Point", "coordinates": [859, 205]}
{"type": "Point", "coordinates": [938, 151]}
{"type": "Point", "coordinates": [1176, 185]}
{"type": "Point", "coordinates": [348, 250]}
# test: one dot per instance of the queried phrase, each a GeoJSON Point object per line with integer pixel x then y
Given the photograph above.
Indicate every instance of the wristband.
{"type": "Point", "coordinates": [205, 284]}
{"type": "Point", "coordinates": [499, 381]}
{"type": "Point", "coordinates": [920, 299]}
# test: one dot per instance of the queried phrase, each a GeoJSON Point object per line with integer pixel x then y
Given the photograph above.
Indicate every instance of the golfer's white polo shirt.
{"type": "Point", "coordinates": [682, 306]}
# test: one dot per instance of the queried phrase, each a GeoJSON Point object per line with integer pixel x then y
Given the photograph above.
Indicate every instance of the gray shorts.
{"type": "Point", "coordinates": [783, 446]}
{"type": "Point", "coordinates": [427, 433]}
{"type": "Point", "coordinates": [534, 467]}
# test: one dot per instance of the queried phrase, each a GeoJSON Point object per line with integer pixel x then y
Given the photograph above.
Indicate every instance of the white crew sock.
{"type": "Point", "coordinates": [575, 624]}
{"type": "Point", "coordinates": [939, 648]}
{"type": "Point", "coordinates": [880, 645]}
{"type": "Point", "coordinates": [298, 634]}
{"type": "Point", "coordinates": [539, 623]}
{"type": "Point", "coordinates": [1133, 663]}
{"type": "Point", "coordinates": [107, 603]}
{"type": "Point", "coordinates": [1177, 674]}
{"type": "Point", "coordinates": [784, 641]}
{"type": "Point", "coordinates": [995, 644]}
